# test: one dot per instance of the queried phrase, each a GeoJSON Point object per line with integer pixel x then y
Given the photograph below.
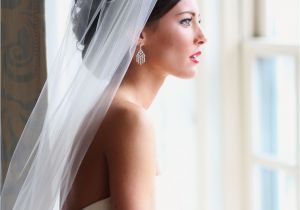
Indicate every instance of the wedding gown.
{"type": "Point", "coordinates": [166, 198]}
{"type": "Point", "coordinates": [99, 205]}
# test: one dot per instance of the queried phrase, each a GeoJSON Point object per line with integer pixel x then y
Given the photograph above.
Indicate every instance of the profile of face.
{"type": "Point", "coordinates": [173, 43]}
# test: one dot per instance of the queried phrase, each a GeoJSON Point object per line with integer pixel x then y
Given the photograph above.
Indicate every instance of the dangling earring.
{"type": "Point", "coordinates": [140, 56]}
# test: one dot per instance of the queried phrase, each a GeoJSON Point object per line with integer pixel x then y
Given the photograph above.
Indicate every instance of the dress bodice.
{"type": "Point", "coordinates": [166, 198]}
{"type": "Point", "coordinates": [99, 205]}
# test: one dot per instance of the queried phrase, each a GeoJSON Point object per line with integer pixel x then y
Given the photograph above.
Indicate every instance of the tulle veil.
{"type": "Point", "coordinates": [73, 102]}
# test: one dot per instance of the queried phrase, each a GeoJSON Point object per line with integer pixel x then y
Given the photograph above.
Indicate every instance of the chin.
{"type": "Point", "coordinates": [190, 76]}
{"type": "Point", "coordinates": [187, 74]}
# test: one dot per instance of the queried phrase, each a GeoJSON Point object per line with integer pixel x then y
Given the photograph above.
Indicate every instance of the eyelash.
{"type": "Point", "coordinates": [189, 20]}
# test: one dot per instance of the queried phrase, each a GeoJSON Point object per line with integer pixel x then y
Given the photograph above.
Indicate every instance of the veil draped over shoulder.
{"type": "Point", "coordinates": [73, 102]}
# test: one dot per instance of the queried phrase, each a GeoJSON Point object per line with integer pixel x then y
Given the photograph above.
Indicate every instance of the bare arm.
{"type": "Point", "coordinates": [132, 163]}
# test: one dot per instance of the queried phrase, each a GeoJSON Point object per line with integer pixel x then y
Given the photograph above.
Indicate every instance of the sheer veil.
{"type": "Point", "coordinates": [73, 102]}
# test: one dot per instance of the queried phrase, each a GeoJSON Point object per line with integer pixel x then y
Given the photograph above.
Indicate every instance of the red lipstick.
{"type": "Point", "coordinates": [195, 57]}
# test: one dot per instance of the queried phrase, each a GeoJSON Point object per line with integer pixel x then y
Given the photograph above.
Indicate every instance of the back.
{"type": "Point", "coordinates": [120, 163]}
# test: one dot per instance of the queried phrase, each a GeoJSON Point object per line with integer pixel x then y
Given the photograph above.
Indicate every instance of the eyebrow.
{"type": "Point", "coordinates": [189, 12]}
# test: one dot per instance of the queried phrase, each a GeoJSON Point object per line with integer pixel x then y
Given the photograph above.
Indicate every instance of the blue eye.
{"type": "Point", "coordinates": [186, 22]}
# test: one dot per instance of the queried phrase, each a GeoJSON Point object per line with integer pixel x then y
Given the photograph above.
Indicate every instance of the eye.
{"type": "Point", "coordinates": [186, 22]}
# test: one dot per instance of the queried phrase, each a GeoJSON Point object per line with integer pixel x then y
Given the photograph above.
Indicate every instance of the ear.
{"type": "Point", "coordinates": [142, 38]}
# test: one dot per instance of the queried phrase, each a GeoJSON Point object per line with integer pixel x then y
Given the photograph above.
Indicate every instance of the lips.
{"type": "Point", "coordinates": [195, 57]}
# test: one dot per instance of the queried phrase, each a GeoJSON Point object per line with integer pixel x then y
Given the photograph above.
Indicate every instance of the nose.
{"type": "Point", "coordinates": [199, 37]}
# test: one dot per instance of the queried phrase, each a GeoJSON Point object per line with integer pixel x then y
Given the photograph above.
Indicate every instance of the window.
{"type": "Point", "coordinates": [271, 76]}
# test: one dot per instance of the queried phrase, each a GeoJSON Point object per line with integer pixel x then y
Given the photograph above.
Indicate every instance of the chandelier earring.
{"type": "Point", "coordinates": [140, 56]}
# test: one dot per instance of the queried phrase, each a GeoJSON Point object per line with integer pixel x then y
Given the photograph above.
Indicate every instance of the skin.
{"type": "Point", "coordinates": [121, 161]}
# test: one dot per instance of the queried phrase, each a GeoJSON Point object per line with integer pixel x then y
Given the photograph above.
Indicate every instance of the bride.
{"type": "Point", "coordinates": [117, 168]}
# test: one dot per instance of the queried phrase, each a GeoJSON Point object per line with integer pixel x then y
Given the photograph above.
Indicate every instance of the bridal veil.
{"type": "Point", "coordinates": [73, 101]}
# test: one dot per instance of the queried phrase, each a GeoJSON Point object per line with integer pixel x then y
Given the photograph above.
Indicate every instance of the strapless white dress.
{"type": "Point", "coordinates": [99, 205]}
{"type": "Point", "coordinates": [165, 197]}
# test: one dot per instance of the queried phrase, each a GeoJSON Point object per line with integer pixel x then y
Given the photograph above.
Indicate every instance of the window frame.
{"type": "Point", "coordinates": [252, 48]}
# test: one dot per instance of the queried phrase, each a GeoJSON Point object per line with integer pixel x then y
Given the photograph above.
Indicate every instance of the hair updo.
{"type": "Point", "coordinates": [81, 9]}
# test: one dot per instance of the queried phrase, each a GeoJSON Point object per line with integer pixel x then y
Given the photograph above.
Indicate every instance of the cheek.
{"type": "Point", "coordinates": [171, 49]}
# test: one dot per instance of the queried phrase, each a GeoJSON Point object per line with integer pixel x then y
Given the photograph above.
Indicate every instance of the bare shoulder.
{"type": "Point", "coordinates": [130, 152]}
{"type": "Point", "coordinates": [128, 120]}
{"type": "Point", "coordinates": [128, 125]}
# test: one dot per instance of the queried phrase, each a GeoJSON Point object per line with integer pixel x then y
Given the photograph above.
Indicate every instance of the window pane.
{"type": "Point", "coordinates": [275, 109]}
{"type": "Point", "coordinates": [283, 20]}
{"type": "Point", "coordinates": [274, 190]}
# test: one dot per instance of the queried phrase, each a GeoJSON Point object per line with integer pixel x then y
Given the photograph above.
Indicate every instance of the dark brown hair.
{"type": "Point", "coordinates": [79, 27]}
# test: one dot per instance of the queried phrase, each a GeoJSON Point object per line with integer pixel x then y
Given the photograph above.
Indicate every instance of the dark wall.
{"type": "Point", "coordinates": [23, 68]}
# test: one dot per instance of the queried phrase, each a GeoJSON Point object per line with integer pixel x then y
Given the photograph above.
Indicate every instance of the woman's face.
{"type": "Point", "coordinates": [171, 43]}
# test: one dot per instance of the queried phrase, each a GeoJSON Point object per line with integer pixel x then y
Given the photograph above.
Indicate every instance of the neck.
{"type": "Point", "coordinates": [141, 84]}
